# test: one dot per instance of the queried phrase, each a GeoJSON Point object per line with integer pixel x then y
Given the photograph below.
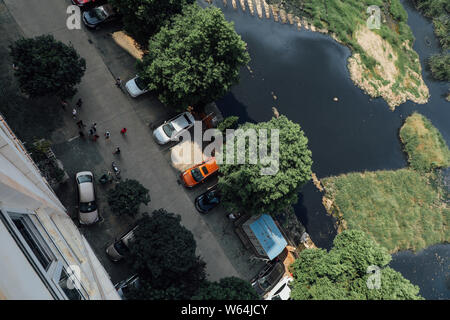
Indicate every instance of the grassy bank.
{"type": "Point", "coordinates": [373, 50]}
{"type": "Point", "coordinates": [401, 209]}
{"type": "Point", "coordinates": [424, 144]}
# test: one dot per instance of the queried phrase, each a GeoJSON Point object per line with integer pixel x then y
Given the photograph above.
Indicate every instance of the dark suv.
{"type": "Point", "coordinates": [268, 277]}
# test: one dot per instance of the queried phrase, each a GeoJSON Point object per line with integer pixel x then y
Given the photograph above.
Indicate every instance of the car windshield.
{"type": "Point", "coordinates": [85, 178]}
{"type": "Point", "coordinates": [86, 207]}
{"type": "Point", "coordinates": [100, 13]}
{"type": "Point", "coordinates": [168, 129]}
{"type": "Point", "coordinates": [121, 248]}
{"type": "Point", "coordinates": [264, 283]}
{"type": "Point", "coordinates": [140, 84]}
{"type": "Point", "coordinates": [197, 175]}
{"type": "Point", "coordinates": [211, 198]}
{"type": "Point", "coordinates": [205, 170]}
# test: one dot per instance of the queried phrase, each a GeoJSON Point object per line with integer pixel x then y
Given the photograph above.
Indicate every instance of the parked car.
{"type": "Point", "coordinates": [197, 174]}
{"type": "Point", "coordinates": [171, 129]}
{"type": "Point", "coordinates": [124, 286]}
{"type": "Point", "coordinates": [208, 200]}
{"type": "Point", "coordinates": [88, 4]}
{"type": "Point", "coordinates": [281, 291]}
{"type": "Point", "coordinates": [268, 278]}
{"type": "Point", "coordinates": [119, 249]}
{"type": "Point", "coordinates": [87, 206]}
{"type": "Point", "coordinates": [100, 15]}
{"type": "Point", "coordinates": [136, 87]}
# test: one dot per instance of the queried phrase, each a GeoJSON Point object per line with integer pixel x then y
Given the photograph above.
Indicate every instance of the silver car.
{"type": "Point", "coordinates": [87, 206]}
{"type": "Point", "coordinates": [171, 129]}
{"type": "Point", "coordinates": [119, 249]}
{"type": "Point", "coordinates": [136, 87]}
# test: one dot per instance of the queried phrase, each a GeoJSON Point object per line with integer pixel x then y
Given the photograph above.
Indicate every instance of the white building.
{"type": "Point", "coordinates": [42, 253]}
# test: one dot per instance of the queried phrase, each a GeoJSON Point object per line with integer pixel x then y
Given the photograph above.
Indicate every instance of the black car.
{"type": "Point", "coordinates": [100, 15]}
{"type": "Point", "coordinates": [208, 200]}
{"type": "Point", "coordinates": [268, 277]}
{"type": "Point", "coordinates": [88, 4]}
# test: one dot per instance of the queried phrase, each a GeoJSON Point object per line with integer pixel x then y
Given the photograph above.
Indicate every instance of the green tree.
{"type": "Point", "coordinates": [230, 288]}
{"type": "Point", "coordinates": [163, 255]}
{"type": "Point", "coordinates": [195, 60]}
{"type": "Point", "coordinates": [46, 67]}
{"type": "Point", "coordinates": [127, 196]}
{"type": "Point", "coordinates": [228, 123]}
{"type": "Point", "coordinates": [243, 186]}
{"type": "Point", "coordinates": [342, 273]}
{"type": "Point", "coordinates": [440, 66]}
{"type": "Point", "coordinates": [143, 18]}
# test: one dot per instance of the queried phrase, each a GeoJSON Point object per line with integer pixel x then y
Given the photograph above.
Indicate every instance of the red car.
{"type": "Point", "coordinates": [88, 4]}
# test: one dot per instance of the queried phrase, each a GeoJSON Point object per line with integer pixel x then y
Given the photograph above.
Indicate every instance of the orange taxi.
{"type": "Point", "coordinates": [193, 176]}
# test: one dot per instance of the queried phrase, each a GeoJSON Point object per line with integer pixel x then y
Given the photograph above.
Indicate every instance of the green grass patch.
{"type": "Point", "coordinates": [400, 209]}
{"type": "Point", "coordinates": [424, 144]}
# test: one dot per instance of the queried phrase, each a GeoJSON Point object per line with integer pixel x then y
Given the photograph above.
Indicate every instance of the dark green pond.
{"type": "Point", "coordinates": [305, 70]}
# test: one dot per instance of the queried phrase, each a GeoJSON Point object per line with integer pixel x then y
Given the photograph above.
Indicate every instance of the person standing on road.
{"type": "Point", "coordinates": [74, 113]}
{"type": "Point", "coordinates": [118, 82]}
{"type": "Point", "coordinates": [64, 105]}
{"type": "Point", "coordinates": [79, 103]}
{"type": "Point", "coordinates": [94, 126]}
{"type": "Point", "coordinates": [80, 124]}
{"type": "Point", "coordinates": [123, 131]}
{"type": "Point", "coordinates": [117, 151]}
{"type": "Point", "coordinates": [107, 135]}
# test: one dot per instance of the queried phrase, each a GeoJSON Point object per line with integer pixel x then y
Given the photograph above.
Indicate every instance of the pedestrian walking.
{"type": "Point", "coordinates": [118, 82]}
{"type": "Point", "coordinates": [117, 151]}
{"type": "Point", "coordinates": [94, 126]}
{"type": "Point", "coordinates": [107, 135]}
{"type": "Point", "coordinates": [80, 124]}
{"type": "Point", "coordinates": [91, 132]}
{"type": "Point", "coordinates": [74, 113]}
{"type": "Point", "coordinates": [64, 104]}
{"type": "Point", "coordinates": [79, 103]}
{"type": "Point", "coordinates": [81, 134]}
{"type": "Point", "coordinates": [123, 131]}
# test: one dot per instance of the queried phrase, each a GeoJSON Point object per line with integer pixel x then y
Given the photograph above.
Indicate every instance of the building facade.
{"type": "Point", "coordinates": [42, 253]}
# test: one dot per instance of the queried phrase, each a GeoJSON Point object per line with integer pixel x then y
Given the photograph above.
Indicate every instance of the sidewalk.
{"type": "Point", "coordinates": [141, 158]}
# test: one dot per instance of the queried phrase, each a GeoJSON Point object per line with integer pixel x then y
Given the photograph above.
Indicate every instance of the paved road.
{"type": "Point", "coordinates": [141, 158]}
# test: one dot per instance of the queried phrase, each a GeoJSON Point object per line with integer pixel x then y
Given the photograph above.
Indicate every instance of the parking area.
{"type": "Point", "coordinates": [141, 158]}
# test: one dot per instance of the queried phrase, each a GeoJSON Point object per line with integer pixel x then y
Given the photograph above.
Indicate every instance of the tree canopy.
{"type": "Point", "coordinates": [143, 18]}
{"type": "Point", "coordinates": [243, 187]}
{"type": "Point", "coordinates": [163, 255]}
{"type": "Point", "coordinates": [230, 288]}
{"type": "Point", "coordinates": [195, 60]}
{"type": "Point", "coordinates": [46, 67]}
{"type": "Point", "coordinates": [127, 196]}
{"type": "Point", "coordinates": [342, 273]}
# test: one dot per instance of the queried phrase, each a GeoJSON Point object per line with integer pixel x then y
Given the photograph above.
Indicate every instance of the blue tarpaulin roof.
{"type": "Point", "coordinates": [268, 235]}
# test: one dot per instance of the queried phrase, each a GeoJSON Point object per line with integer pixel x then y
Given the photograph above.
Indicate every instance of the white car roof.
{"type": "Point", "coordinates": [180, 122]}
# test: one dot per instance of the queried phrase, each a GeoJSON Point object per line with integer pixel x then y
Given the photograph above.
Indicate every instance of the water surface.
{"type": "Point", "coordinates": [305, 71]}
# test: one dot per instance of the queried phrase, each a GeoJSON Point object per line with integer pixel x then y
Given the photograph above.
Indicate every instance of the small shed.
{"type": "Point", "coordinates": [265, 236]}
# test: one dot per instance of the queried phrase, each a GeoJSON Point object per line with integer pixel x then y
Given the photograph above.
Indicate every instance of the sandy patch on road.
{"type": "Point", "coordinates": [128, 44]}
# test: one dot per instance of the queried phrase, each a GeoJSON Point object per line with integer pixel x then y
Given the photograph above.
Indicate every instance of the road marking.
{"type": "Point", "coordinates": [73, 138]}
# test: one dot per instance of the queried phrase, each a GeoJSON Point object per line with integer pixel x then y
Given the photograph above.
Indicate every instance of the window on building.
{"type": "Point", "coordinates": [44, 256]}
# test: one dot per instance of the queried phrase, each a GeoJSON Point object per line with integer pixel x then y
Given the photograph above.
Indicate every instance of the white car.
{"type": "Point", "coordinates": [87, 206]}
{"type": "Point", "coordinates": [136, 87]}
{"type": "Point", "coordinates": [171, 130]}
{"type": "Point", "coordinates": [281, 291]}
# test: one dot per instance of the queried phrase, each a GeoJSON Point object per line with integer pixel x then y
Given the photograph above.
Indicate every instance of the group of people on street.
{"type": "Point", "coordinates": [93, 128]}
